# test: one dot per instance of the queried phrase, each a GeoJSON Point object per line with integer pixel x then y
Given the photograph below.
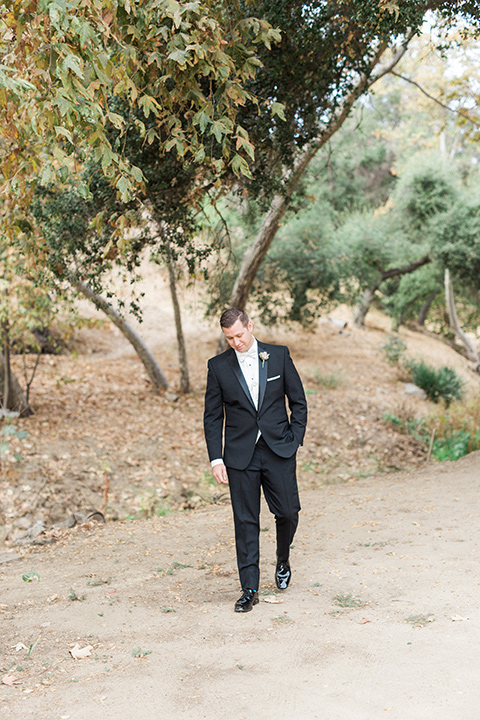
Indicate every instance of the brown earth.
{"type": "Point", "coordinates": [381, 616]}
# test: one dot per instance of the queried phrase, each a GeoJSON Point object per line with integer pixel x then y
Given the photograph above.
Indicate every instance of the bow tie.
{"type": "Point", "coordinates": [249, 355]}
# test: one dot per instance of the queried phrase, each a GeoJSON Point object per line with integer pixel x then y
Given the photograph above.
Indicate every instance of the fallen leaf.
{"type": "Point", "coordinates": [272, 599]}
{"type": "Point", "coordinates": [31, 576]}
{"type": "Point", "coordinates": [9, 680]}
{"type": "Point", "coordinates": [78, 653]}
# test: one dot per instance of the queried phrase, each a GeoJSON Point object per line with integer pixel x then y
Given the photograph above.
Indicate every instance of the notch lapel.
{"type": "Point", "coordinates": [262, 375]}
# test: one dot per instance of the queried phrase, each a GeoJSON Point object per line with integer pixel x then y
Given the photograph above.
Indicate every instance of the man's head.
{"type": "Point", "coordinates": [237, 328]}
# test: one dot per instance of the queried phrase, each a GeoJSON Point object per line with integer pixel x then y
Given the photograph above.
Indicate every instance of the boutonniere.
{"type": "Point", "coordinates": [263, 356]}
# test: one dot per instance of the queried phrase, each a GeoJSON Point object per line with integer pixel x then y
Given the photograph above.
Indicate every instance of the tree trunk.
{"type": "Point", "coordinates": [182, 350]}
{"type": "Point", "coordinates": [255, 255]}
{"type": "Point", "coordinates": [153, 369]}
{"type": "Point", "coordinates": [425, 309]}
{"type": "Point", "coordinates": [363, 306]}
{"type": "Point", "coordinates": [472, 353]}
{"type": "Point", "coordinates": [12, 396]}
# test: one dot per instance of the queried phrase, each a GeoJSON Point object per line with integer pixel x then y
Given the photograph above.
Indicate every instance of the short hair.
{"type": "Point", "coordinates": [230, 317]}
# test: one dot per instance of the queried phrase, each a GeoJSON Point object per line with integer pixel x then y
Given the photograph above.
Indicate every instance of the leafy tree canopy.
{"type": "Point", "coordinates": [183, 64]}
{"type": "Point", "coordinates": [325, 47]}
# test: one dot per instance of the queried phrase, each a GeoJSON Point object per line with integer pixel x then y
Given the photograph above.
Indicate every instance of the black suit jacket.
{"type": "Point", "coordinates": [231, 421]}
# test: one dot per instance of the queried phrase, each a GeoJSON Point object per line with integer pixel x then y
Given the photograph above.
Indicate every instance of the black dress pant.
{"type": "Point", "coordinates": [278, 478]}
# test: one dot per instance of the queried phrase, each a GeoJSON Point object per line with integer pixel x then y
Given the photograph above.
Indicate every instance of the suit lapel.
{"type": "Point", "coordinates": [239, 375]}
{"type": "Point", "coordinates": [262, 375]}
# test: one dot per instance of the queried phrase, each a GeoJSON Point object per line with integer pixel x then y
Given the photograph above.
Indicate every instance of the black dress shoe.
{"type": "Point", "coordinates": [282, 575]}
{"type": "Point", "coordinates": [247, 601]}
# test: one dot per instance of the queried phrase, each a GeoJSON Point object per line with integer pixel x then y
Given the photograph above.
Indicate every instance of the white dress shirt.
{"type": "Point", "coordinates": [248, 362]}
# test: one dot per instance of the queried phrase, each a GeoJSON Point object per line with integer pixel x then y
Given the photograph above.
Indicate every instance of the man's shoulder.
{"type": "Point", "coordinates": [268, 347]}
{"type": "Point", "coordinates": [221, 358]}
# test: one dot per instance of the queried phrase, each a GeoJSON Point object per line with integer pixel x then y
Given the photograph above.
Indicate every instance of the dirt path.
{"type": "Point", "coordinates": [155, 598]}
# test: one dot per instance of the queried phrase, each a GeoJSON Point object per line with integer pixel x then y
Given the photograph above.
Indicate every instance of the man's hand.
{"type": "Point", "coordinates": [220, 473]}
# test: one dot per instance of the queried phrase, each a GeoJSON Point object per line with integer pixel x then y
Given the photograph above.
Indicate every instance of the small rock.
{"type": "Point", "coordinates": [38, 528]}
{"type": "Point", "coordinates": [412, 389]}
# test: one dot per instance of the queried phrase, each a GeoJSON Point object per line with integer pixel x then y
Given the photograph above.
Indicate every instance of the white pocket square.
{"type": "Point", "coordinates": [273, 378]}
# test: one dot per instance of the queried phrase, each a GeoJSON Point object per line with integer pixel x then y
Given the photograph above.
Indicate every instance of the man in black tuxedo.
{"type": "Point", "coordinates": [252, 443]}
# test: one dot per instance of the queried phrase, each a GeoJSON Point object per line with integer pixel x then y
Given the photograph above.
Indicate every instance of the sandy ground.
{"type": "Point", "coordinates": [381, 620]}
{"type": "Point", "coordinates": [383, 614]}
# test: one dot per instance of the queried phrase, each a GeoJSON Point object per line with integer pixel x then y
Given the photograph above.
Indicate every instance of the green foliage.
{"type": "Point", "coordinates": [457, 431]}
{"type": "Point", "coordinates": [348, 601]}
{"type": "Point", "coordinates": [405, 298]}
{"type": "Point", "coordinates": [427, 187]}
{"type": "Point", "coordinates": [323, 49]}
{"type": "Point", "coordinates": [27, 305]}
{"type": "Point", "coordinates": [457, 233]}
{"type": "Point", "coordinates": [394, 349]}
{"type": "Point", "coordinates": [30, 576]}
{"type": "Point", "coordinates": [416, 427]}
{"type": "Point", "coordinates": [139, 653]}
{"type": "Point", "coordinates": [442, 383]}
{"type": "Point", "coordinates": [419, 620]}
{"type": "Point", "coordinates": [298, 280]}
{"type": "Point", "coordinates": [173, 61]}
{"type": "Point", "coordinates": [456, 444]}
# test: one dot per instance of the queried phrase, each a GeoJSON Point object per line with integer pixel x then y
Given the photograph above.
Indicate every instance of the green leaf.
{"type": "Point", "coordinates": [46, 174]}
{"type": "Point", "coordinates": [123, 186]}
{"type": "Point", "coordinates": [278, 109]}
{"type": "Point", "coordinates": [244, 144]}
{"type": "Point", "coordinates": [202, 119]}
{"type": "Point", "coordinates": [148, 105]}
{"type": "Point", "coordinates": [63, 131]}
{"type": "Point", "coordinates": [31, 576]}
{"type": "Point", "coordinates": [72, 62]}
{"type": "Point", "coordinates": [116, 120]}
{"type": "Point", "coordinates": [178, 56]}
{"type": "Point", "coordinates": [240, 167]}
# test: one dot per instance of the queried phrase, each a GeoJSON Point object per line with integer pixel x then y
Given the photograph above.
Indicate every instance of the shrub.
{"type": "Point", "coordinates": [394, 349]}
{"type": "Point", "coordinates": [457, 431]}
{"type": "Point", "coordinates": [456, 444]}
{"type": "Point", "coordinates": [443, 383]}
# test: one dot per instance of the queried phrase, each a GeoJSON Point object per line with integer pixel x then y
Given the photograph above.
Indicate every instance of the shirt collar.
{"type": "Point", "coordinates": [252, 352]}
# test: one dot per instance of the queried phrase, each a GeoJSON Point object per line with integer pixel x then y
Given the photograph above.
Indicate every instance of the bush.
{"type": "Point", "coordinates": [443, 383]}
{"type": "Point", "coordinates": [394, 349]}
{"type": "Point", "coordinates": [456, 444]}
{"type": "Point", "coordinates": [457, 431]}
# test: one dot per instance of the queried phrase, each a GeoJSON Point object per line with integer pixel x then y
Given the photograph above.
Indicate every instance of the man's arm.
{"type": "Point", "coordinates": [213, 425]}
{"type": "Point", "coordinates": [297, 401]}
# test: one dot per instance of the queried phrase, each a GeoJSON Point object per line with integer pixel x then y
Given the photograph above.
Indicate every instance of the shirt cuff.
{"type": "Point", "coordinates": [218, 461]}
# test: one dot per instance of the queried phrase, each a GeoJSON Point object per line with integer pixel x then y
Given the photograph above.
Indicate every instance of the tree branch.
{"type": "Point", "coordinates": [462, 113]}
{"type": "Point", "coordinates": [405, 269]}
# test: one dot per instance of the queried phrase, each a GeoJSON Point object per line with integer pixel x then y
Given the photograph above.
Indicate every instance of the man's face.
{"type": "Point", "coordinates": [239, 336]}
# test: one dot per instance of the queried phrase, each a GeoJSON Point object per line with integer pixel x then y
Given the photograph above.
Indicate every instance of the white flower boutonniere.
{"type": "Point", "coordinates": [263, 356]}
